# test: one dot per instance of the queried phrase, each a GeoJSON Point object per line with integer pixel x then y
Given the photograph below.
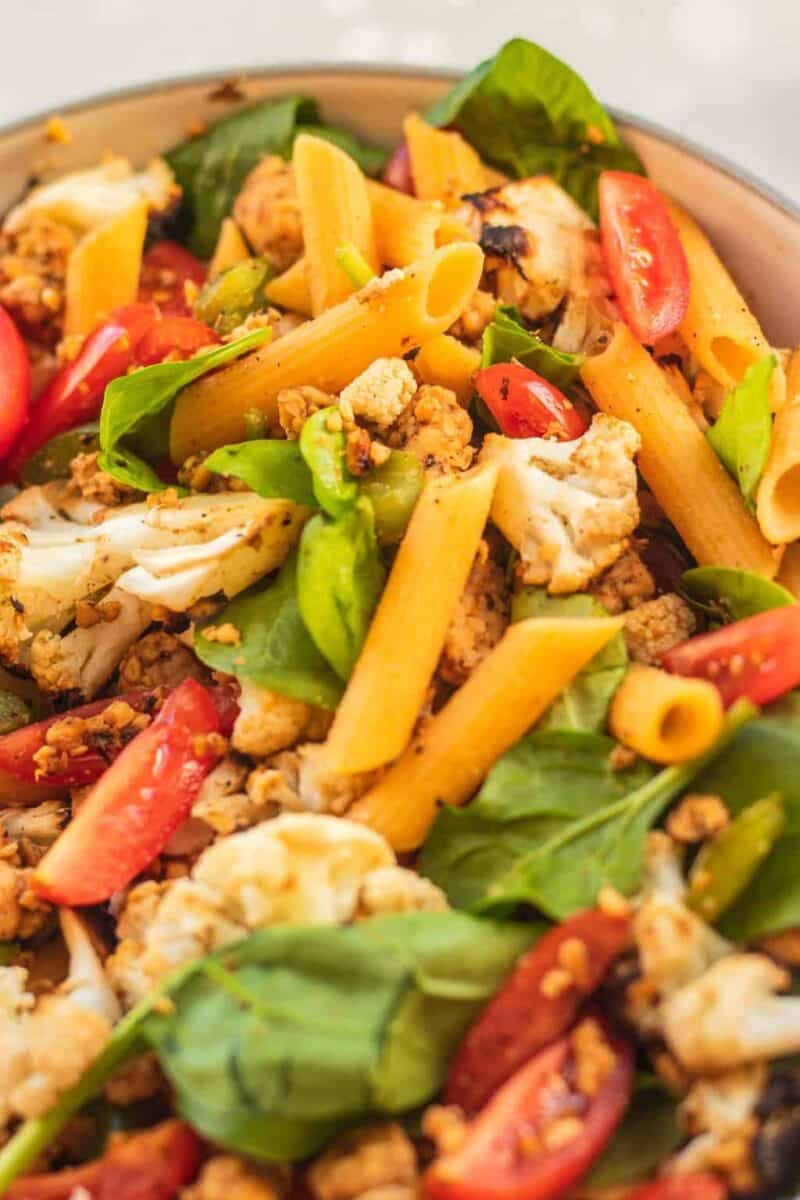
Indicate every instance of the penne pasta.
{"type": "Point", "coordinates": [446, 361]}
{"type": "Point", "coordinates": [427, 578]}
{"type": "Point", "coordinates": [500, 701]}
{"type": "Point", "coordinates": [231, 248]}
{"type": "Point", "coordinates": [719, 328]}
{"type": "Point", "coordinates": [684, 473]}
{"type": "Point", "coordinates": [336, 211]}
{"type": "Point", "coordinates": [778, 499]}
{"type": "Point", "coordinates": [666, 718]}
{"type": "Point", "coordinates": [292, 289]}
{"type": "Point", "coordinates": [789, 573]}
{"type": "Point", "coordinates": [103, 269]}
{"type": "Point", "coordinates": [405, 227]}
{"type": "Point", "coordinates": [443, 165]}
{"type": "Point", "coordinates": [387, 318]}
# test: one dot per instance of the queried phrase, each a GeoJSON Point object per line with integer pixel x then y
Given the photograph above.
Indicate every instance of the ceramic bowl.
{"type": "Point", "coordinates": [756, 231]}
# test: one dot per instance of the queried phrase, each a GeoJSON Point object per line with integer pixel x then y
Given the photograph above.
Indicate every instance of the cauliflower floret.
{"type": "Point", "coordinates": [731, 1015]}
{"type": "Point", "coordinates": [159, 659]}
{"type": "Point", "coordinates": [373, 1157]}
{"type": "Point", "coordinates": [268, 212]}
{"type": "Point", "coordinates": [626, 584]}
{"type": "Point", "coordinates": [396, 890]}
{"type": "Point", "coordinates": [268, 722]}
{"type": "Point", "coordinates": [33, 273]}
{"type": "Point", "coordinates": [34, 828]}
{"type": "Point", "coordinates": [22, 913]}
{"type": "Point", "coordinates": [568, 507]}
{"type": "Point", "coordinates": [295, 869]}
{"type": "Point", "coordinates": [720, 1116]}
{"type": "Point", "coordinates": [381, 393]}
{"type": "Point", "coordinates": [227, 1177]}
{"type": "Point", "coordinates": [302, 781]}
{"type": "Point", "coordinates": [479, 620]}
{"type": "Point", "coordinates": [436, 430]}
{"type": "Point", "coordinates": [654, 627]}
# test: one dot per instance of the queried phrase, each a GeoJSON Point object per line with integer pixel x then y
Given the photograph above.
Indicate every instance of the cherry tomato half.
{"type": "Point", "coordinates": [154, 1165]}
{"type": "Point", "coordinates": [521, 1020]}
{"type": "Point", "coordinates": [644, 255]}
{"type": "Point", "coordinates": [174, 333]}
{"type": "Point", "coordinates": [758, 657]}
{"type": "Point", "coordinates": [542, 1131]}
{"type": "Point", "coordinates": [700, 1186]}
{"type": "Point", "coordinates": [526, 405]}
{"type": "Point", "coordinates": [15, 383]}
{"type": "Point", "coordinates": [135, 806]}
{"type": "Point", "coordinates": [397, 172]}
{"type": "Point", "coordinates": [166, 267]}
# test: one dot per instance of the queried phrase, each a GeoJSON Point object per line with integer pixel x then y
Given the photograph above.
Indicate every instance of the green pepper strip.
{"type": "Point", "coordinates": [725, 865]}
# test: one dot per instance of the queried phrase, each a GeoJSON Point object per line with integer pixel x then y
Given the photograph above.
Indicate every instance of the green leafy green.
{"type": "Point", "coordinates": [742, 433]}
{"type": "Point", "coordinates": [226, 300]}
{"type": "Point", "coordinates": [137, 409]}
{"type": "Point", "coordinates": [553, 823]}
{"type": "Point", "coordinates": [323, 445]}
{"type": "Point", "coordinates": [648, 1134]}
{"type": "Point", "coordinates": [583, 704]}
{"type": "Point", "coordinates": [506, 338]}
{"type": "Point", "coordinates": [52, 460]}
{"type": "Point", "coordinates": [273, 469]}
{"type": "Point", "coordinates": [275, 649]}
{"type": "Point", "coordinates": [339, 580]}
{"type": "Point", "coordinates": [731, 594]}
{"type": "Point", "coordinates": [393, 490]}
{"type": "Point", "coordinates": [528, 113]}
{"type": "Point", "coordinates": [211, 168]}
{"type": "Point", "coordinates": [275, 1043]}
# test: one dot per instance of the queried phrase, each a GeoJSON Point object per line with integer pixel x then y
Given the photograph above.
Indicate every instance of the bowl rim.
{"type": "Point", "coordinates": [242, 73]}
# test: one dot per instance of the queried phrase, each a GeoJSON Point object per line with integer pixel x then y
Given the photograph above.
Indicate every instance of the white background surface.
{"type": "Point", "coordinates": [724, 72]}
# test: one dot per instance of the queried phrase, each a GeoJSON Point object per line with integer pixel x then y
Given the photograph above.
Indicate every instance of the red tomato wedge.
{"type": "Point", "coordinates": [700, 1186]}
{"type": "Point", "coordinates": [166, 267]}
{"type": "Point", "coordinates": [136, 804]}
{"type": "Point", "coordinates": [526, 405]}
{"type": "Point", "coordinates": [644, 255]}
{"type": "Point", "coordinates": [520, 1020]}
{"type": "Point", "coordinates": [15, 383]}
{"type": "Point", "coordinates": [397, 172]}
{"type": "Point", "coordinates": [174, 334]}
{"type": "Point", "coordinates": [154, 1165]}
{"type": "Point", "coordinates": [540, 1134]}
{"type": "Point", "coordinates": [758, 657]}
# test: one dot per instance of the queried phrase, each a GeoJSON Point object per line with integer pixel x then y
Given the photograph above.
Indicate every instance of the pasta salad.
{"type": "Point", "coordinates": [400, 695]}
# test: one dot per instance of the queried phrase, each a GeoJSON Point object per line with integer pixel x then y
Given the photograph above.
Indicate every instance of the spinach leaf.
{"type": "Point", "coordinates": [323, 446]}
{"type": "Point", "coordinates": [553, 823]}
{"type": "Point", "coordinates": [506, 338]}
{"type": "Point", "coordinates": [272, 468]}
{"type": "Point", "coordinates": [340, 577]}
{"type": "Point", "coordinates": [212, 168]}
{"type": "Point", "coordinates": [583, 704]}
{"type": "Point", "coordinates": [528, 113]}
{"type": "Point", "coordinates": [275, 649]}
{"type": "Point", "coordinates": [731, 594]}
{"type": "Point", "coordinates": [137, 409]}
{"type": "Point", "coordinates": [648, 1133]}
{"type": "Point", "coordinates": [742, 433]}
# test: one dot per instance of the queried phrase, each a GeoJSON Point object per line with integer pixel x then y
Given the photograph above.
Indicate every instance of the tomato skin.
{"type": "Point", "coordinates": [15, 383]}
{"type": "Point", "coordinates": [153, 1165]}
{"type": "Point", "coordinates": [700, 1186]}
{"type": "Point", "coordinates": [519, 1021]}
{"type": "Point", "coordinates": [758, 657]}
{"type": "Point", "coordinates": [135, 806]}
{"type": "Point", "coordinates": [500, 1158]}
{"type": "Point", "coordinates": [644, 255]}
{"type": "Point", "coordinates": [174, 333]}
{"type": "Point", "coordinates": [525, 405]}
{"type": "Point", "coordinates": [397, 172]}
{"type": "Point", "coordinates": [166, 267]}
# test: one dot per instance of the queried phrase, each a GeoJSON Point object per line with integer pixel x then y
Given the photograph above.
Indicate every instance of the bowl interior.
{"type": "Point", "coordinates": [757, 237]}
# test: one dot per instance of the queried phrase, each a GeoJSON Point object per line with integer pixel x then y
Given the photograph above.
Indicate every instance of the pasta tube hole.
{"type": "Point", "coordinates": [786, 493]}
{"type": "Point", "coordinates": [733, 357]}
{"type": "Point", "coordinates": [678, 722]}
{"type": "Point", "coordinates": [666, 718]}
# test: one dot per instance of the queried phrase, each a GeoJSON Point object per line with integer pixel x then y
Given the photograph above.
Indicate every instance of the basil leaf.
{"type": "Point", "coordinates": [731, 594]}
{"type": "Point", "coordinates": [212, 168]}
{"type": "Point", "coordinates": [528, 113]}
{"type": "Point", "coordinates": [506, 338]}
{"type": "Point", "coordinates": [324, 450]}
{"type": "Point", "coordinates": [137, 409]}
{"type": "Point", "coordinates": [272, 468]}
{"type": "Point", "coordinates": [339, 580]}
{"type": "Point", "coordinates": [742, 433]}
{"type": "Point", "coordinates": [648, 1134]}
{"type": "Point", "coordinates": [275, 649]}
{"type": "Point", "coordinates": [553, 823]}
{"type": "Point", "coordinates": [318, 1027]}
{"type": "Point", "coordinates": [583, 705]}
